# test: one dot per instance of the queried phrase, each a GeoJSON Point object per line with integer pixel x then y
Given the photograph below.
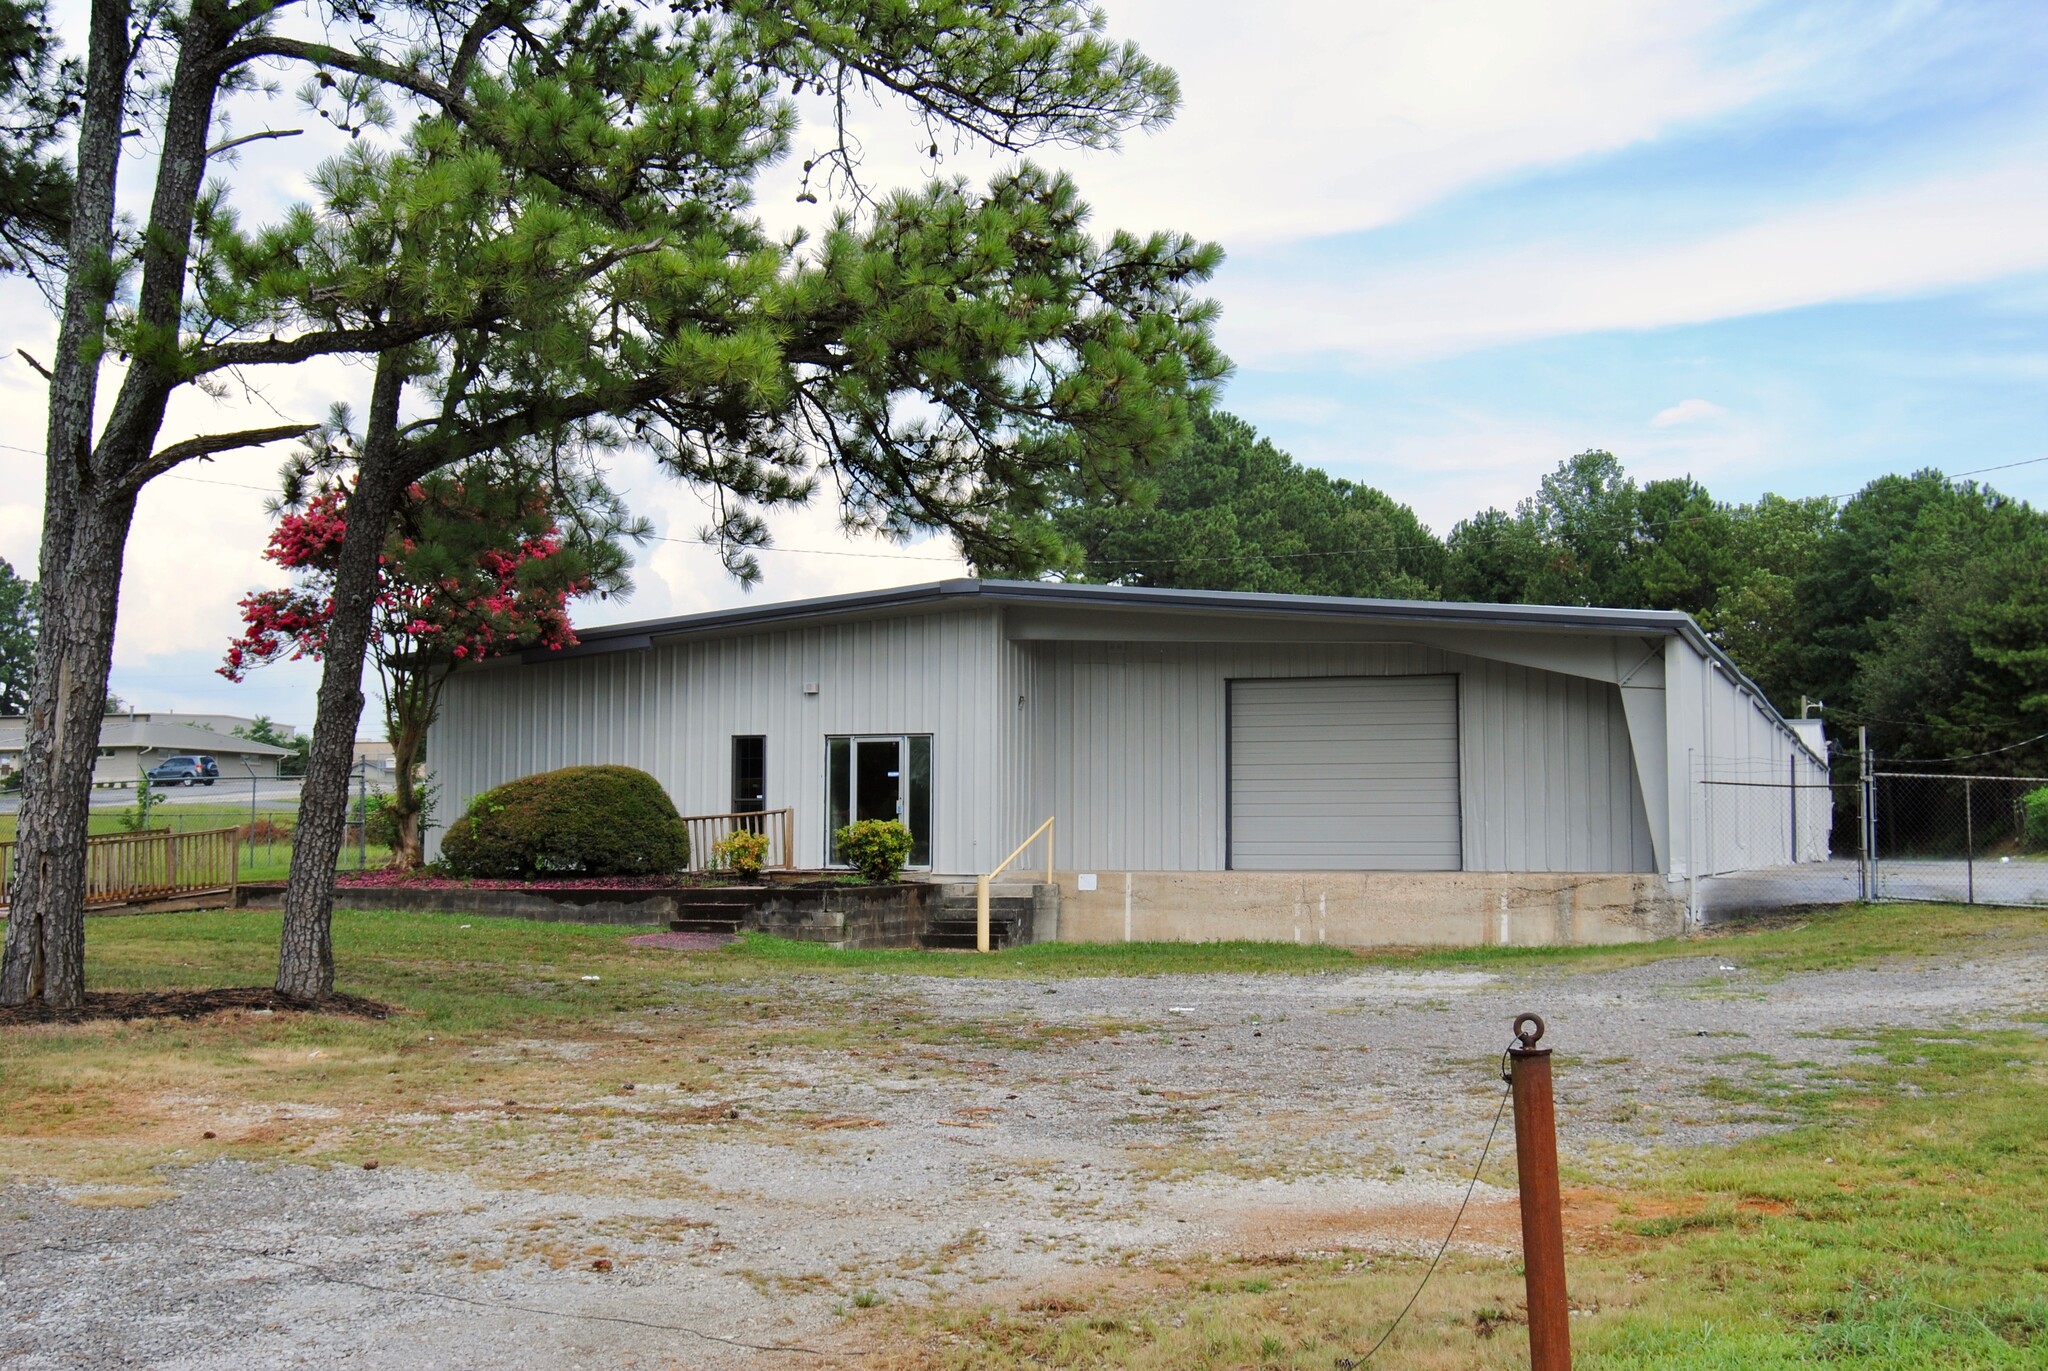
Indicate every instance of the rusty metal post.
{"type": "Point", "coordinates": [1550, 1334]}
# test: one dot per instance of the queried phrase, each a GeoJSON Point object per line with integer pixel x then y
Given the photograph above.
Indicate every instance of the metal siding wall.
{"type": "Point", "coordinates": [672, 711]}
{"type": "Point", "coordinates": [1130, 746]}
{"type": "Point", "coordinates": [1721, 734]}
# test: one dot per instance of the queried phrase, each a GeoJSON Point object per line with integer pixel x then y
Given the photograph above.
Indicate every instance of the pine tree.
{"type": "Point", "coordinates": [551, 241]}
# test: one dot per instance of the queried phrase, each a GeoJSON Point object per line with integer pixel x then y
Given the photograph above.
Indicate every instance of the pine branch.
{"type": "Point", "coordinates": [178, 453]}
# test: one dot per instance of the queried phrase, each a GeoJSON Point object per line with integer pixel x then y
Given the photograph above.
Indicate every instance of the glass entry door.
{"type": "Point", "coordinates": [877, 778]}
{"type": "Point", "coordinates": [885, 777]}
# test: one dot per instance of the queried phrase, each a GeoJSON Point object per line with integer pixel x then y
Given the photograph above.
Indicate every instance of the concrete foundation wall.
{"type": "Point", "coordinates": [1371, 908]}
{"type": "Point", "coordinates": [849, 916]}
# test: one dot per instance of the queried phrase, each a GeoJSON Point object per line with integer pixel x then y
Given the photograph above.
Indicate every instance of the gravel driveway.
{"type": "Point", "coordinates": [1111, 1121]}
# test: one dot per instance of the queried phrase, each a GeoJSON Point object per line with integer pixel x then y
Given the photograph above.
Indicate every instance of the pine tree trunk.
{"type": "Point", "coordinates": [85, 531]}
{"type": "Point", "coordinates": [46, 920]}
{"type": "Point", "coordinates": [305, 955]}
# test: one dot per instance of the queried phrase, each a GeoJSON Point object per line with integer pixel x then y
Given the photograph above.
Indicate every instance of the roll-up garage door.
{"type": "Point", "coordinates": [1348, 773]}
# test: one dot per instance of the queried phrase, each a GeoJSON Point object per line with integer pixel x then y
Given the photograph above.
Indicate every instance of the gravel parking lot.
{"type": "Point", "coordinates": [1059, 1128]}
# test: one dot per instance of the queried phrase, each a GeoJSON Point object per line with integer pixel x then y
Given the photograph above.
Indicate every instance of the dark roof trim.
{"type": "Point", "coordinates": [1567, 617]}
{"type": "Point", "coordinates": [1556, 618]}
{"type": "Point", "coordinates": [595, 643]}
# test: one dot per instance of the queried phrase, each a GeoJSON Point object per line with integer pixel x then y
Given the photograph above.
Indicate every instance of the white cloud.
{"type": "Point", "coordinates": [1941, 232]}
{"type": "Point", "coordinates": [1301, 120]}
{"type": "Point", "coordinates": [1687, 412]}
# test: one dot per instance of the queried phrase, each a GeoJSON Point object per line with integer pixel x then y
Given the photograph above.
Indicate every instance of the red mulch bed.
{"type": "Point", "coordinates": [187, 1004]}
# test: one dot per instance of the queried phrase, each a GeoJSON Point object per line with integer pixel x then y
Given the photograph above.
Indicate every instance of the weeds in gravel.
{"type": "Point", "coordinates": [1832, 939]}
{"type": "Point", "coordinates": [1904, 1225]}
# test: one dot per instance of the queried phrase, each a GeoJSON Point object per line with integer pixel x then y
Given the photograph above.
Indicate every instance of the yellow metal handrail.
{"type": "Point", "coordinates": [981, 883]}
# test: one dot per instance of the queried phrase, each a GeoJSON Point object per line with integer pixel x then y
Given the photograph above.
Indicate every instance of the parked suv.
{"type": "Point", "coordinates": [200, 770]}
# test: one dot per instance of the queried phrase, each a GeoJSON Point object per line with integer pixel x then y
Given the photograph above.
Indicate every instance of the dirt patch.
{"type": "Point", "coordinates": [1491, 1224]}
{"type": "Point", "coordinates": [188, 1004]}
{"type": "Point", "coordinates": [683, 942]}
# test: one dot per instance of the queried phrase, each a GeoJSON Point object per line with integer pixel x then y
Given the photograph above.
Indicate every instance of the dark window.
{"type": "Point", "coordinates": [749, 775]}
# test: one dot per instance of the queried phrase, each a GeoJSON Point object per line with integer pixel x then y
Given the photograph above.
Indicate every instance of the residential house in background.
{"type": "Point", "coordinates": [135, 741]}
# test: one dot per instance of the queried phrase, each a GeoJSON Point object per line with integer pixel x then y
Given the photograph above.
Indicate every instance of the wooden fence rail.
{"type": "Point", "coordinates": [124, 868]}
{"type": "Point", "coordinates": [778, 824]}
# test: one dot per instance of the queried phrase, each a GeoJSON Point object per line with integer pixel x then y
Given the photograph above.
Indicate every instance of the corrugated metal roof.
{"type": "Point", "coordinates": [119, 731]}
{"type": "Point", "coordinates": [961, 593]}
{"type": "Point", "coordinates": [865, 603]}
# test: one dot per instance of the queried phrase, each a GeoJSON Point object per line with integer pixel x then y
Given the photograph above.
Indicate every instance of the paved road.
{"type": "Point", "coordinates": [270, 794]}
{"type": "Point", "coordinates": [1988, 881]}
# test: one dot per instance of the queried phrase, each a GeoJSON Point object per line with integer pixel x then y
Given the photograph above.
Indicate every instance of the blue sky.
{"type": "Point", "coordinates": [1783, 247]}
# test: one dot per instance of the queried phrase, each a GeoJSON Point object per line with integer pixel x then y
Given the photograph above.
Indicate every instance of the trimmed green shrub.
{"type": "Point", "coordinates": [2036, 802]}
{"type": "Point", "coordinates": [581, 820]}
{"type": "Point", "coordinates": [876, 848]}
{"type": "Point", "coordinates": [740, 852]}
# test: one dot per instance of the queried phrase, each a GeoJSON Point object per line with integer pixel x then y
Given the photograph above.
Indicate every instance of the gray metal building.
{"type": "Point", "coordinates": [1249, 741]}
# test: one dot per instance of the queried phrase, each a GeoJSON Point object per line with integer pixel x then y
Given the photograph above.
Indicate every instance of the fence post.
{"type": "Point", "coordinates": [1792, 792]}
{"type": "Point", "coordinates": [1969, 845]}
{"type": "Point", "coordinates": [1866, 817]}
{"type": "Point", "coordinates": [1550, 1332]}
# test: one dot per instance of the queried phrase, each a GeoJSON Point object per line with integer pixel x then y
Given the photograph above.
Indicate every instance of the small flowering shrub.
{"type": "Point", "coordinates": [581, 820]}
{"type": "Point", "coordinates": [740, 852]}
{"type": "Point", "coordinates": [877, 848]}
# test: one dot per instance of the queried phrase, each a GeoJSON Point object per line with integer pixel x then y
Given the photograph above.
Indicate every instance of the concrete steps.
{"type": "Point", "coordinates": [713, 911]}
{"type": "Point", "coordinates": [953, 922]}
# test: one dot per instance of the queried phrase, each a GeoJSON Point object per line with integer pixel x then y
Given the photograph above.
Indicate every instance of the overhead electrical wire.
{"type": "Point", "coordinates": [1248, 556]}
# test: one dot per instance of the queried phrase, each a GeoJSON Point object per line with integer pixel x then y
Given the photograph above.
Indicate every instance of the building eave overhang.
{"type": "Point", "coordinates": [966, 593]}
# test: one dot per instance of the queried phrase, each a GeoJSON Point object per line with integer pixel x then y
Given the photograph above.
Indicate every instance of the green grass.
{"type": "Point", "coordinates": [398, 955]}
{"type": "Point", "coordinates": [271, 860]}
{"type": "Point", "coordinates": [1904, 1225]}
{"type": "Point", "coordinates": [183, 817]}
{"type": "Point", "coordinates": [1825, 939]}
{"type": "Point", "coordinates": [1045, 960]}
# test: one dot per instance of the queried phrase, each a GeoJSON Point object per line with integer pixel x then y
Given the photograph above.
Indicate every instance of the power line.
{"type": "Point", "coordinates": [1247, 556]}
{"type": "Point", "coordinates": [1967, 757]}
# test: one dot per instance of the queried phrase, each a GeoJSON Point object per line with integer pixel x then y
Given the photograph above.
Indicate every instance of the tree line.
{"type": "Point", "coordinates": [1916, 607]}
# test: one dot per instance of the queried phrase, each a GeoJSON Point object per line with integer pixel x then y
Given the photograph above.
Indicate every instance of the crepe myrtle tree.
{"type": "Point", "coordinates": [932, 358]}
{"type": "Point", "coordinates": [479, 560]}
{"type": "Point", "coordinates": [549, 238]}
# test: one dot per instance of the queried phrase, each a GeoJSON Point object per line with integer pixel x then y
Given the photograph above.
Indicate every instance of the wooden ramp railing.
{"type": "Point", "coordinates": [779, 825]}
{"type": "Point", "coordinates": [126, 868]}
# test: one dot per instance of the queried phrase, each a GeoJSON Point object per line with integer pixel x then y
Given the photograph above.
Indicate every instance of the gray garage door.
{"type": "Point", "coordinates": [1345, 773]}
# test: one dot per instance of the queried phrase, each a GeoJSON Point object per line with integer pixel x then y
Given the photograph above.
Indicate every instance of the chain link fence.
{"type": "Point", "coordinates": [1958, 838]}
{"type": "Point", "coordinates": [1770, 839]}
{"type": "Point", "coordinates": [263, 811]}
{"type": "Point", "coordinates": [1775, 842]}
